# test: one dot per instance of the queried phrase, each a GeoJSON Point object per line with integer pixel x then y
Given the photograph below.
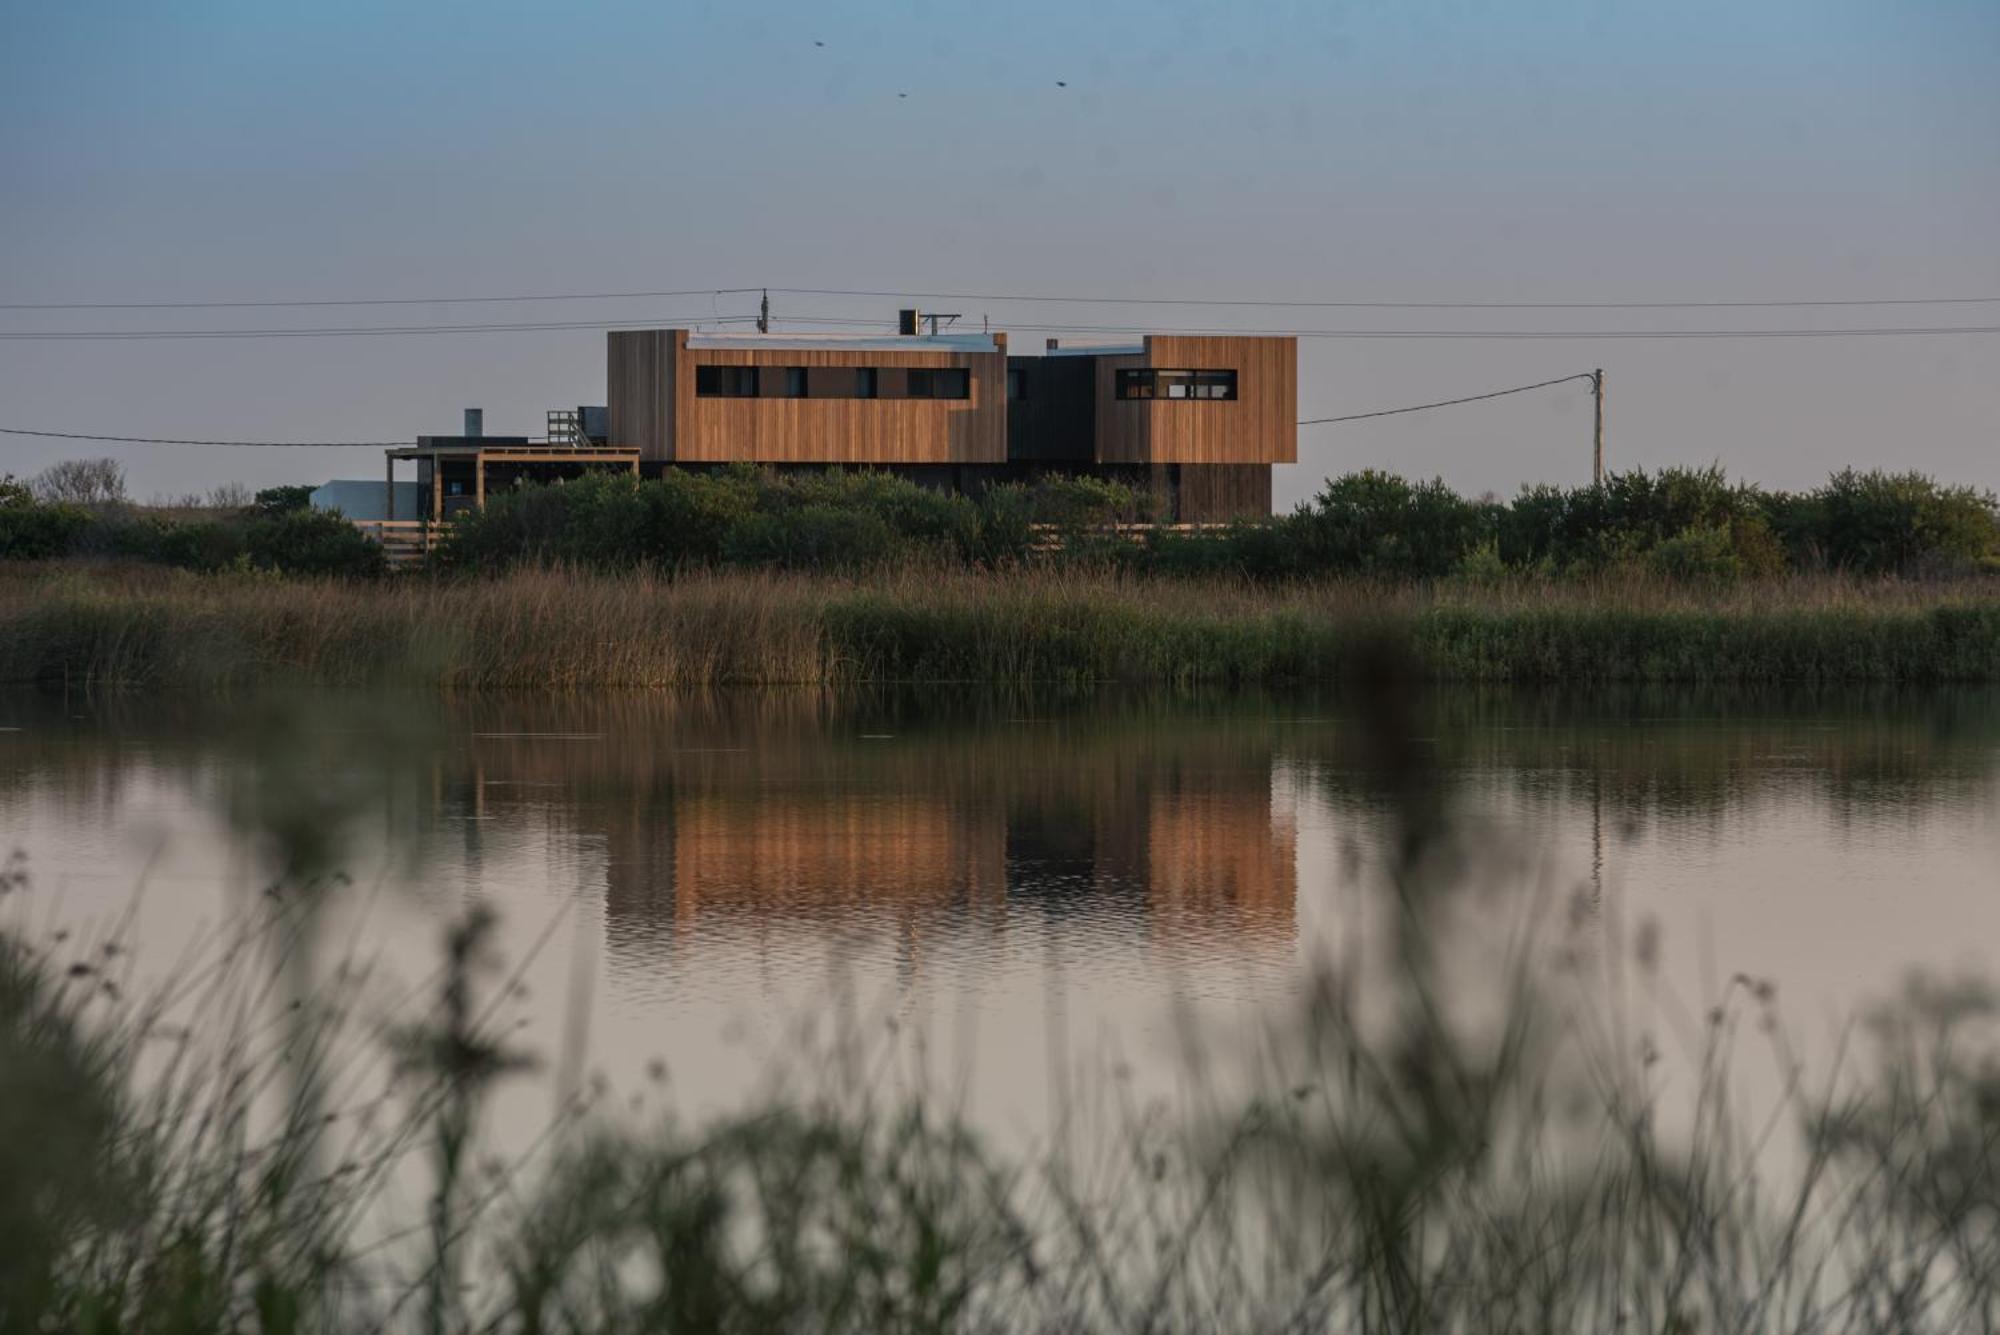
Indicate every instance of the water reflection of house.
{"type": "Point", "coordinates": [807, 853]}
{"type": "Point", "coordinates": [715, 832]}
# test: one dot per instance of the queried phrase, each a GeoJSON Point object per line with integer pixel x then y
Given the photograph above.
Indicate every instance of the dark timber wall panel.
{"type": "Point", "coordinates": [1259, 426]}
{"type": "Point", "coordinates": [640, 389]}
{"type": "Point", "coordinates": [1213, 493]}
{"type": "Point", "coordinates": [1057, 420]}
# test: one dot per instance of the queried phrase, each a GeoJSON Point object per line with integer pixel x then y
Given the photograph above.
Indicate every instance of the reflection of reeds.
{"type": "Point", "coordinates": [566, 629]}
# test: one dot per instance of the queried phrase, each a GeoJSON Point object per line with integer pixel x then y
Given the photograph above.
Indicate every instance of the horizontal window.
{"type": "Point", "coordinates": [948, 382]}
{"type": "Point", "coordinates": [838, 382]}
{"type": "Point", "coordinates": [1159, 383]}
{"type": "Point", "coordinates": [725, 382]}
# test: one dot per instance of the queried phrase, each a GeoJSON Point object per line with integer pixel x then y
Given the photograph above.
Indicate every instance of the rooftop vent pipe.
{"type": "Point", "coordinates": [475, 423]}
{"type": "Point", "coordinates": [907, 321]}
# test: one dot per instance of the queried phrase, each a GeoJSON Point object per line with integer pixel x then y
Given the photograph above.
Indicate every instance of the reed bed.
{"type": "Point", "coordinates": [567, 629]}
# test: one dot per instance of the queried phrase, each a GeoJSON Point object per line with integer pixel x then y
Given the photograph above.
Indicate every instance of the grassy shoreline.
{"type": "Point", "coordinates": [106, 627]}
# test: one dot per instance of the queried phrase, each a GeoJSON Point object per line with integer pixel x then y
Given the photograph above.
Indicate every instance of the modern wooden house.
{"type": "Point", "coordinates": [1195, 421]}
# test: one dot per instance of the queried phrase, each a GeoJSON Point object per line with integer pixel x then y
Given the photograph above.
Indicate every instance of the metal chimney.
{"type": "Point", "coordinates": [908, 321]}
{"type": "Point", "coordinates": [475, 423]}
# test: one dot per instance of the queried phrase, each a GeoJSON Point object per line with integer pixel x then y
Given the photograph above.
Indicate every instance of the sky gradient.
{"type": "Point", "coordinates": [1426, 152]}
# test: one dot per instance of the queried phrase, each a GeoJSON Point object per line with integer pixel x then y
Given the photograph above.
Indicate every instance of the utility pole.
{"type": "Point", "coordinates": [764, 315]}
{"type": "Point", "coordinates": [1597, 448]}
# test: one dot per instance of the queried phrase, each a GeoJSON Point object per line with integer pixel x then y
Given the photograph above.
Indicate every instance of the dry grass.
{"type": "Point", "coordinates": [105, 626]}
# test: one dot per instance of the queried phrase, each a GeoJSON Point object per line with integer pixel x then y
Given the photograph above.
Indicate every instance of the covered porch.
{"type": "Point", "coordinates": [456, 476]}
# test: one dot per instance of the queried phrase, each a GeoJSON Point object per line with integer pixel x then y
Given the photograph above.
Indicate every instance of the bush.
{"type": "Point", "coordinates": [1623, 519]}
{"type": "Point", "coordinates": [1004, 533]}
{"type": "Point", "coordinates": [1895, 523]}
{"type": "Point", "coordinates": [283, 500]}
{"type": "Point", "coordinates": [812, 537]}
{"type": "Point", "coordinates": [207, 544]}
{"type": "Point", "coordinates": [1373, 523]}
{"type": "Point", "coordinates": [312, 542]}
{"type": "Point", "coordinates": [35, 532]}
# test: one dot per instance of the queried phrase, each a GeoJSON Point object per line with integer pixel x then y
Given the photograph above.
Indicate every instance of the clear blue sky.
{"type": "Point", "coordinates": [1554, 151]}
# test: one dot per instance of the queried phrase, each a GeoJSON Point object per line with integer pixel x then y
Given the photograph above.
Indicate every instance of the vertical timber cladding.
{"type": "Point", "coordinates": [1258, 426]}
{"type": "Point", "coordinates": [642, 389]}
{"type": "Point", "coordinates": [887, 429]}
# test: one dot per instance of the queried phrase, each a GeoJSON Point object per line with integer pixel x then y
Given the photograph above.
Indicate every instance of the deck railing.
{"type": "Point", "coordinates": [408, 542]}
{"type": "Point", "coordinates": [405, 542]}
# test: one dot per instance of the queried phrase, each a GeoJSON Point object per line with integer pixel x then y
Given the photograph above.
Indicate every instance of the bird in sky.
{"type": "Point", "coordinates": [902, 95]}
{"type": "Point", "coordinates": [819, 43]}
{"type": "Point", "coordinates": [1061, 84]}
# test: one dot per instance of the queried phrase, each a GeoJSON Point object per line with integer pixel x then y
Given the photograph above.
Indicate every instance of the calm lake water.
{"type": "Point", "coordinates": [1002, 896]}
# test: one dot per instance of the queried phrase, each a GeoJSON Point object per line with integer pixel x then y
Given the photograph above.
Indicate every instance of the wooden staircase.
{"type": "Point", "coordinates": [406, 543]}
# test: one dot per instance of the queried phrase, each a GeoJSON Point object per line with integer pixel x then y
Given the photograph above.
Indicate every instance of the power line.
{"type": "Point", "coordinates": [1116, 329]}
{"type": "Point", "coordinates": [112, 335]}
{"type": "Point", "coordinates": [1446, 403]}
{"type": "Point", "coordinates": [1066, 298]}
{"type": "Point", "coordinates": [239, 444]}
{"type": "Point", "coordinates": [1505, 334]}
{"type": "Point", "coordinates": [522, 326]}
{"type": "Point", "coordinates": [1316, 304]}
{"type": "Point", "coordinates": [360, 301]}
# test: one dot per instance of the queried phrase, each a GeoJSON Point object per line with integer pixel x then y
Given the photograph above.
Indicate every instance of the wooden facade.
{"type": "Point", "coordinates": [1208, 458]}
{"type": "Point", "coordinates": [655, 407]}
{"type": "Point", "coordinates": [1258, 426]}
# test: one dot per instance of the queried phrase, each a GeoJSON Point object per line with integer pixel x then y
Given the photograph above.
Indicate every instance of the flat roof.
{"type": "Point", "coordinates": [847, 342]}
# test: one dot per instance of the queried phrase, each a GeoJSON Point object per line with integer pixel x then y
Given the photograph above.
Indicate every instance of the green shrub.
{"type": "Point", "coordinates": [207, 544]}
{"type": "Point", "coordinates": [31, 531]}
{"type": "Point", "coordinates": [1699, 553]}
{"type": "Point", "coordinates": [283, 500]}
{"type": "Point", "coordinates": [1623, 519]}
{"type": "Point", "coordinates": [1482, 565]}
{"type": "Point", "coordinates": [1895, 523]}
{"type": "Point", "coordinates": [311, 542]}
{"type": "Point", "coordinates": [1078, 502]}
{"type": "Point", "coordinates": [1373, 523]}
{"type": "Point", "coordinates": [811, 537]}
{"type": "Point", "coordinates": [1004, 533]}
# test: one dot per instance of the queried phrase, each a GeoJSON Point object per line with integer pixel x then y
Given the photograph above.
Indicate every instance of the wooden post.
{"type": "Point", "coordinates": [1597, 448]}
{"type": "Point", "coordinates": [479, 480]}
{"type": "Point", "coordinates": [437, 488]}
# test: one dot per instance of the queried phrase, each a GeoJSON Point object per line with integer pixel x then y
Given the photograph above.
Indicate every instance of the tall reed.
{"type": "Point", "coordinates": [570, 629]}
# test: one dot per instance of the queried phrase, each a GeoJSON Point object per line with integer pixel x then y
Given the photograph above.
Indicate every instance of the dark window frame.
{"type": "Point", "coordinates": [948, 383]}
{"type": "Point", "coordinates": [713, 381]}
{"type": "Point", "coordinates": [939, 382]}
{"type": "Point", "coordinates": [1145, 384]}
{"type": "Point", "coordinates": [781, 382]}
